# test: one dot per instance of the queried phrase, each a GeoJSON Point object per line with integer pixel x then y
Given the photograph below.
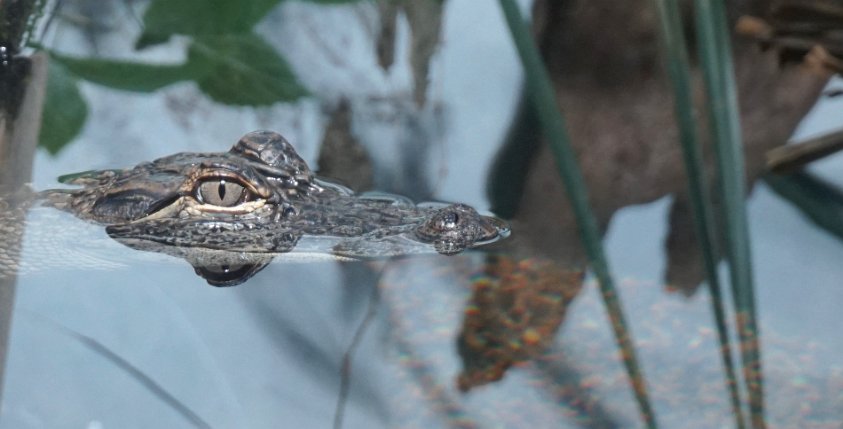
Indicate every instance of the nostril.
{"type": "Point", "coordinates": [449, 220]}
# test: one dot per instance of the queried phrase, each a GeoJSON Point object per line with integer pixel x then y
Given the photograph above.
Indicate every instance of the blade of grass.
{"type": "Point", "coordinates": [131, 370]}
{"type": "Point", "coordinates": [716, 57]}
{"type": "Point", "coordinates": [542, 94]}
{"type": "Point", "coordinates": [678, 68]}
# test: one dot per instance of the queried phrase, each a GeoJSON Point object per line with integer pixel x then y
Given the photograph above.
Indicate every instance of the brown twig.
{"type": "Point", "coordinates": [789, 158]}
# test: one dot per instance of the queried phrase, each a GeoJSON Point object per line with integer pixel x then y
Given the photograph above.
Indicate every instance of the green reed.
{"type": "Point", "coordinates": [542, 93]}
{"type": "Point", "coordinates": [724, 116]}
{"type": "Point", "coordinates": [678, 69]}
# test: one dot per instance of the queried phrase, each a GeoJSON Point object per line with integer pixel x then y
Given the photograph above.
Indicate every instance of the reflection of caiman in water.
{"type": "Point", "coordinates": [229, 214]}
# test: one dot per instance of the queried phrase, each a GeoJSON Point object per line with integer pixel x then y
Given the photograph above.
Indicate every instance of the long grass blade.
{"type": "Point", "coordinates": [716, 57]}
{"type": "Point", "coordinates": [678, 68]}
{"type": "Point", "coordinates": [542, 94]}
{"type": "Point", "coordinates": [131, 370]}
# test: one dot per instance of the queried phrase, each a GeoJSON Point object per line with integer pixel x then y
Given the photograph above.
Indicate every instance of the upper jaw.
{"type": "Point", "coordinates": [185, 208]}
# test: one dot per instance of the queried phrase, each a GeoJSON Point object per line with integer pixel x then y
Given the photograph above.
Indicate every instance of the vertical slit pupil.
{"type": "Point", "coordinates": [221, 190]}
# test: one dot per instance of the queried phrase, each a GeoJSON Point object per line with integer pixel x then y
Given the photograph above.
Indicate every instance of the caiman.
{"type": "Point", "coordinates": [229, 214]}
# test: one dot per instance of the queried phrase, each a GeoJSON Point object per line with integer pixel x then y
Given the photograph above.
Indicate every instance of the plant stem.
{"type": "Point", "coordinates": [716, 57]}
{"type": "Point", "coordinates": [542, 93]}
{"type": "Point", "coordinates": [678, 68]}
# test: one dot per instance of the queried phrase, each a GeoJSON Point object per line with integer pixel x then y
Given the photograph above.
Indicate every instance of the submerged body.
{"type": "Point", "coordinates": [260, 199]}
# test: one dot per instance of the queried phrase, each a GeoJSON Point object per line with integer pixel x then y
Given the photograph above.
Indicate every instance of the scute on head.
{"type": "Point", "coordinates": [272, 149]}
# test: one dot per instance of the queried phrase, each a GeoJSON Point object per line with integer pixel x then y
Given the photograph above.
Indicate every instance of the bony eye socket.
{"type": "Point", "coordinates": [222, 193]}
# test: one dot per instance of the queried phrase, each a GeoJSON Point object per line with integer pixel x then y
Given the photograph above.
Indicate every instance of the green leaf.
{"type": "Point", "coordinates": [164, 18]}
{"type": "Point", "coordinates": [65, 110]}
{"type": "Point", "coordinates": [125, 75]}
{"type": "Point", "coordinates": [243, 70]}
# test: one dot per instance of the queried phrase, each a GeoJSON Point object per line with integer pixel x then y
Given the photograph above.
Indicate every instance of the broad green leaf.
{"type": "Point", "coordinates": [164, 18]}
{"type": "Point", "coordinates": [243, 70]}
{"type": "Point", "coordinates": [125, 75]}
{"type": "Point", "coordinates": [65, 110]}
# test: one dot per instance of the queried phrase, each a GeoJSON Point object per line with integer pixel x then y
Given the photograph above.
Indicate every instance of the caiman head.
{"type": "Point", "coordinates": [205, 200]}
{"type": "Point", "coordinates": [201, 206]}
{"type": "Point", "coordinates": [220, 211]}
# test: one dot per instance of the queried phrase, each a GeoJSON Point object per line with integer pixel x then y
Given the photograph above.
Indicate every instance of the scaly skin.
{"type": "Point", "coordinates": [236, 210]}
{"type": "Point", "coordinates": [261, 197]}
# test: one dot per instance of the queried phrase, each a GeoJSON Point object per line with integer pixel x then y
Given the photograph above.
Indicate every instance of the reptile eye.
{"type": "Point", "coordinates": [223, 193]}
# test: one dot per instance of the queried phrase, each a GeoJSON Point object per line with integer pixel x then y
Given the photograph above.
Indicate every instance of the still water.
{"type": "Point", "coordinates": [115, 333]}
{"type": "Point", "coordinates": [104, 336]}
